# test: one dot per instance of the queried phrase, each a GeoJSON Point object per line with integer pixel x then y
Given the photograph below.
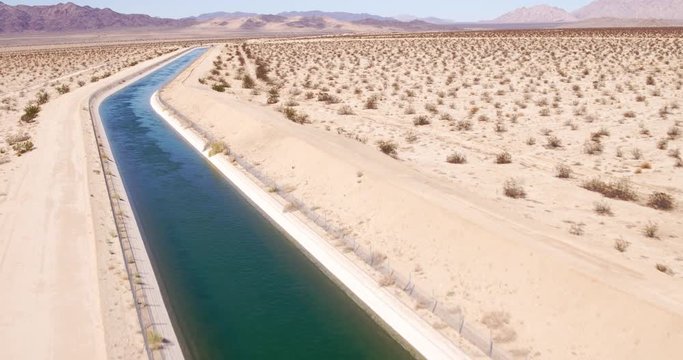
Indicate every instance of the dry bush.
{"type": "Point", "coordinates": [504, 158]}
{"type": "Point", "coordinates": [345, 110]}
{"type": "Point", "coordinates": [463, 125]}
{"type": "Point", "coordinates": [576, 229]}
{"type": "Point", "coordinates": [248, 82]}
{"type": "Point", "coordinates": [42, 97]}
{"type": "Point", "coordinates": [563, 171]}
{"type": "Point", "coordinates": [23, 147]}
{"type": "Point", "coordinates": [621, 245]}
{"type": "Point", "coordinates": [372, 102]}
{"type": "Point", "coordinates": [218, 87]}
{"type": "Point", "coordinates": [421, 120]}
{"type": "Point", "coordinates": [31, 112]}
{"type": "Point", "coordinates": [388, 147]}
{"type": "Point", "coordinates": [553, 142]}
{"type": "Point", "coordinates": [513, 189]}
{"type": "Point", "coordinates": [218, 147]}
{"type": "Point", "coordinates": [651, 230]}
{"type": "Point", "coordinates": [592, 147]}
{"type": "Point", "coordinates": [602, 208]}
{"type": "Point", "coordinates": [620, 190]}
{"type": "Point", "coordinates": [456, 158]}
{"type": "Point", "coordinates": [63, 89]}
{"type": "Point", "coordinates": [661, 201]}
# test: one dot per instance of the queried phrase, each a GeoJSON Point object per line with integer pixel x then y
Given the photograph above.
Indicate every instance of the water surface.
{"type": "Point", "coordinates": [236, 287]}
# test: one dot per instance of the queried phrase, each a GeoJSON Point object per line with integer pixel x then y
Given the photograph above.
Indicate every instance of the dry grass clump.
{"type": "Point", "coordinates": [456, 158]}
{"type": "Point", "coordinates": [592, 147]}
{"type": "Point", "coordinates": [388, 147]}
{"type": "Point", "coordinates": [345, 110]}
{"type": "Point", "coordinates": [23, 147]}
{"type": "Point", "coordinates": [651, 230]}
{"type": "Point", "coordinates": [621, 245]}
{"type": "Point", "coordinates": [661, 201]}
{"type": "Point", "coordinates": [513, 189]}
{"type": "Point", "coordinates": [563, 171]}
{"type": "Point", "coordinates": [503, 158]}
{"type": "Point", "coordinates": [553, 142]}
{"type": "Point", "coordinates": [602, 208]}
{"type": "Point", "coordinates": [295, 116]}
{"type": "Point", "coordinates": [620, 190]}
{"type": "Point", "coordinates": [31, 112]}
{"type": "Point", "coordinates": [218, 147]}
{"type": "Point", "coordinates": [421, 120]}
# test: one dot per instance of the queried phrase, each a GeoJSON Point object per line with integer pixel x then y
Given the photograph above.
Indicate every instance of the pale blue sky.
{"type": "Point", "coordinates": [460, 10]}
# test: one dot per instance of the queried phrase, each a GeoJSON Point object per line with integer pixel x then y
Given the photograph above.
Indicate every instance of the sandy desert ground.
{"type": "Point", "coordinates": [529, 180]}
{"type": "Point", "coordinates": [62, 276]}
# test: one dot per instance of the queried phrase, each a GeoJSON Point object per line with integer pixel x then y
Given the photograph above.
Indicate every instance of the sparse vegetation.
{"type": "Point", "coordinates": [456, 158]}
{"type": "Point", "coordinates": [620, 190]}
{"type": "Point", "coordinates": [513, 189]}
{"type": "Point", "coordinates": [661, 201]}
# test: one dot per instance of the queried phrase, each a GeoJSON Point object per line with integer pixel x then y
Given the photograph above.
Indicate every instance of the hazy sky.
{"type": "Point", "coordinates": [461, 10]}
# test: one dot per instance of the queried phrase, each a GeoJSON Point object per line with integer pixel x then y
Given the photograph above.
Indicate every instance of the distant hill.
{"type": "Point", "coordinates": [632, 9]}
{"type": "Point", "coordinates": [72, 17]}
{"type": "Point", "coordinates": [536, 14]}
{"type": "Point", "coordinates": [599, 9]}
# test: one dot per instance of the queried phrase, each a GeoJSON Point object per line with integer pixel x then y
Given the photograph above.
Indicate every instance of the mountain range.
{"type": "Point", "coordinates": [71, 17]}
{"type": "Point", "coordinates": [598, 9]}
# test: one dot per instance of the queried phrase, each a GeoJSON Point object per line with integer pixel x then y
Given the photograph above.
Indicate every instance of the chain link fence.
{"type": "Point", "coordinates": [471, 331]}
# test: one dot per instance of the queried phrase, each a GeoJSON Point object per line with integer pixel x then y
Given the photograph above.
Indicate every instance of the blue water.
{"type": "Point", "coordinates": [235, 286]}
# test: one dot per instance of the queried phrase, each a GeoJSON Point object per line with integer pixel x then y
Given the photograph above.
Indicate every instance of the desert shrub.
{"type": "Point", "coordinates": [456, 158]}
{"type": "Point", "coordinates": [411, 137]}
{"type": "Point", "coordinates": [661, 201]}
{"type": "Point", "coordinates": [345, 110]}
{"type": "Point", "coordinates": [503, 158]}
{"type": "Point", "coordinates": [31, 112]}
{"type": "Point", "coordinates": [621, 245]}
{"type": "Point", "coordinates": [530, 141]}
{"type": "Point", "coordinates": [620, 190]}
{"type": "Point", "coordinates": [629, 115]}
{"type": "Point", "coordinates": [553, 142]}
{"type": "Point", "coordinates": [602, 208]}
{"type": "Point", "coordinates": [202, 81]}
{"type": "Point", "coordinates": [273, 96]}
{"type": "Point", "coordinates": [637, 154]}
{"type": "Point", "coordinates": [262, 71]}
{"type": "Point", "coordinates": [291, 114]}
{"type": "Point", "coordinates": [371, 102]}
{"type": "Point", "coordinates": [248, 82]}
{"type": "Point", "coordinates": [81, 83]}
{"type": "Point", "coordinates": [563, 171]}
{"type": "Point", "coordinates": [463, 125]}
{"type": "Point", "coordinates": [592, 147]}
{"type": "Point", "coordinates": [576, 229]}
{"type": "Point", "coordinates": [218, 147]}
{"type": "Point", "coordinates": [23, 147]}
{"type": "Point", "coordinates": [674, 132]}
{"type": "Point", "coordinates": [431, 108]}
{"type": "Point", "coordinates": [63, 89]}
{"type": "Point", "coordinates": [388, 147]}
{"type": "Point", "coordinates": [651, 230]}
{"type": "Point", "coordinates": [218, 87]}
{"type": "Point", "coordinates": [328, 99]}
{"type": "Point", "coordinates": [513, 189]}
{"type": "Point", "coordinates": [42, 97]}
{"type": "Point", "coordinates": [421, 120]}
